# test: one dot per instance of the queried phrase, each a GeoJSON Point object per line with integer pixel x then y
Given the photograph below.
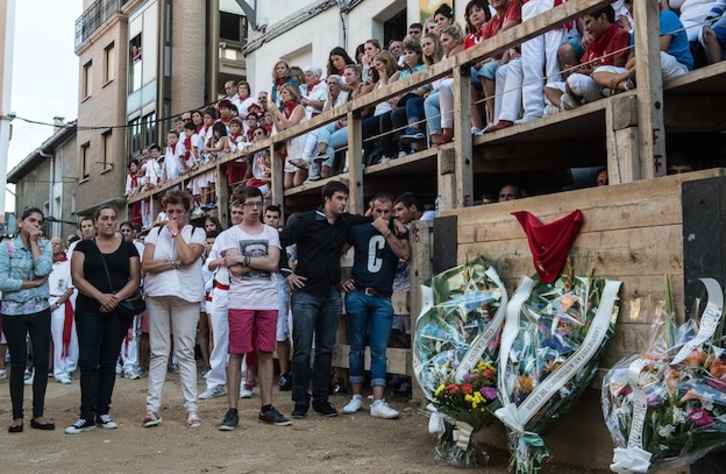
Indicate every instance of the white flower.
{"type": "Point", "coordinates": [679, 416]}
{"type": "Point", "coordinates": [666, 431]}
{"type": "Point", "coordinates": [707, 404]}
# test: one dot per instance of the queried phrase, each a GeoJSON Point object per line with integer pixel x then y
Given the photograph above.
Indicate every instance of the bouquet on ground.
{"type": "Point", "coordinates": [457, 331]}
{"type": "Point", "coordinates": [551, 346]}
{"type": "Point", "coordinates": [667, 406]}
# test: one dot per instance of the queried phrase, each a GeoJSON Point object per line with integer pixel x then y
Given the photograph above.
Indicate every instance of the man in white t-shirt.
{"type": "Point", "coordinates": [251, 254]}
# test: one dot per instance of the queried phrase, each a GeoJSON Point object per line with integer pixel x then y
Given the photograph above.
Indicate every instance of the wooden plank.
{"type": "Point", "coordinates": [222, 196]}
{"type": "Point", "coordinates": [703, 236]}
{"type": "Point", "coordinates": [650, 91]}
{"type": "Point", "coordinates": [420, 238]}
{"type": "Point", "coordinates": [356, 204]}
{"type": "Point", "coordinates": [693, 82]}
{"type": "Point", "coordinates": [462, 132]}
{"type": "Point", "coordinates": [277, 191]}
{"type": "Point", "coordinates": [596, 199]}
{"type": "Point", "coordinates": [396, 359]}
{"type": "Point", "coordinates": [695, 113]}
{"type": "Point", "coordinates": [623, 155]}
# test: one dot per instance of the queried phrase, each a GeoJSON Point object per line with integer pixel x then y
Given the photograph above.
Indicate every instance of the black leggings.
{"type": "Point", "coordinates": [16, 329]}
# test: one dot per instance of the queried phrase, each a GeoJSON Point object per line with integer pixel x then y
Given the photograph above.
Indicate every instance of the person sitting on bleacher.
{"type": "Point", "coordinates": [609, 47]}
{"type": "Point", "coordinates": [675, 56]}
{"type": "Point", "coordinates": [715, 35]}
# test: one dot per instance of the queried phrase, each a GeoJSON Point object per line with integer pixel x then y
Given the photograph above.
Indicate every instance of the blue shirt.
{"type": "Point", "coordinates": [374, 263]}
{"type": "Point", "coordinates": [16, 265]}
{"type": "Point", "coordinates": [679, 48]}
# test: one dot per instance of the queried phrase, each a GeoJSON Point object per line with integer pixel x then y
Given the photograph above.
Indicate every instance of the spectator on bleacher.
{"type": "Point", "coordinates": [430, 25]}
{"type": "Point", "coordinates": [179, 125]}
{"type": "Point", "coordinates": [443, 17]}
{"type": "Point", "coordinates": [297, 73]}
{"type": "Point", "coordinates": [335, 135]}
{"type": "Point", "coordinates": [359, 53]}
{"type": "Point", "coordinates": [133, 186]}
{"type": "Point", "coordinates": [415, 31]}
{"type": "Point", "coordinates": [313, 92]}
{"type": "Point", "coordinates": [218, 145]}
{"type": "Point", "coordinates": [337, 60]}
{"type": "Point", "coordinates": [609, 47]}
{"type": "Point", "coordinates": [368, 301]}
{"type": "Point", "coordinates": [371, 48]}
{"type": "Point", "coordinates": [237, 139]}
{"type": "Point", "coordinates": [477, 13]}
{"type": "Point", "coordinates": [409, 108]}
{"type": "Point", "coordinates": [714, 36]}
{"type": "Point", "coordinates": [508, 13]}
{"type": "Point", "coordinates": [225, 112]}
{"type": "Point", "coordinates": [173, 165]}
{"type": "Point", "coordinates": [191, 146]}
{"type": "Point", "coordinates": [678, 165]}
{"type": "Point", "coordinates": [250, 125]}
{"type": "Point", "coordinates": [452, 41]}
{"type": "Point", "coordinates": [259, 167]}
{"type": "Point", "coordinates": [197, 119]}
{"type": "Point", "coordinates": [245, 99]}
{"type": "Point", "coordinates": [230, 88]}
{"type": "Point", "coordinates": [395, 47]}
{"type": "Point", "coordinates": [693, 14]}
{"type": "Point", "coordinates": [433, 52]}
{"type": "Point", "coordinates": [675, 56]}
{"type": "Point", "coordinates": [601, 177]}
{"type": "Point", "coordinates": [237, 168]}
{"type": "Point", "coordinates": [509, 192]}
{"type": "Point", "coordinates": [281, 75]}
{"type": "Point", "coordinates": [388, 72]}
{"type": "Point", "coordinates": [291, 114]}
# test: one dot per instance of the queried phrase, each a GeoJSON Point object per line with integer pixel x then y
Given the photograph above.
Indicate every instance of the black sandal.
{"type": "Point", "coordinates": [41, 426]}
{"type": "Point", "coordinates": [15, 428]}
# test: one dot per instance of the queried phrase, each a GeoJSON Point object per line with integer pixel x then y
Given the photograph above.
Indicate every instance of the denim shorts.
{"type": "Point", "coordinates": [489, 69]}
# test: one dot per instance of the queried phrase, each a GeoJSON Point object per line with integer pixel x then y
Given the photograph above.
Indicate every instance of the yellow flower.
{"type": "Point", "coordinates": [438, 391]}
{"type": "Point", "coordinates": [469, 398]}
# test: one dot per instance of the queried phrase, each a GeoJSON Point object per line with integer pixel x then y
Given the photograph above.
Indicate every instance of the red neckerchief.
{"type": "Point", "coordinates": [60, 258]}
{"type": "Point", "coordinates": [280, 80]}
{"type": "Point", "coordinates": [288, 108]}
{"type": "Point", "coordinates": [251, 134]}
{"type": "Point", "coordinates": [227, 122]}
{"type": "Point", "coordinates": [188, 147]}
{"type": "Point", "coordinates": [173, 148]}
{"type": "Point", "coordinates": [204, 130]}
{"type": "Point", "coordinates": [550, 243]}
{"type": "Point", "coordinates": [341, 71]}
{"type": "Point", "coordinates": [310, 88]}
{"type": "Point", "coordinates": [235, 135]}
{"type": "Point", "coordinates": [269, 129]}
{"type": "Point", "coordinates": [200, 127]}
{"type": "Point", "coordinates": [134, 179]}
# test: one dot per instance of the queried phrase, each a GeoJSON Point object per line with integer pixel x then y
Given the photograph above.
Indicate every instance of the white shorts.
{"type": "Point", "coordinates": [284, 316]}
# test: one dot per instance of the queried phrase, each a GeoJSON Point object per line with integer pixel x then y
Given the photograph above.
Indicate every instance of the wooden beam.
{"type": "Point", "coordinates": [623, 140]}
{"type": "Point", "coordinates": [277, 192]}
{"type": "Point", "coordinates": [356, 203]}
{"type": "Point", "coordinates": [695, 113]}
{"type": "Point", "coordinates": [396, 359]}
{"type": "Point", "coordinates": [222, 196]}
{"type": "Point", "coordinates": [446, 177]}
{"type": "Point", "coordinates": [650, 90]}
{"type": "Point", "coordinates": [462, 132]}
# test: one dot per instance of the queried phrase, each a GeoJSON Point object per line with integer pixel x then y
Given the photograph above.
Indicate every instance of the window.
{"type": "Point", "coordinates": [136, 64]}
{"type": "Point", "coordinates": [109, 63]}
{"type": "Point", "coordinates": [149, 127]}
{"type": "Point", "coordinates": [107, 151]}
{"type": "Point", "coordinates": [134, 137]}
{"type": "Point", "coordinates": [85, 160]}
{"type": "Point", "coordinates": [232, 28]}
{"type": "Point", "coordinates": [87, 80]}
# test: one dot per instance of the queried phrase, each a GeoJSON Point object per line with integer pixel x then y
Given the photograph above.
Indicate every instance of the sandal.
{"type": "Point", "coordinates": [151, 419]}
{"type": "Point", "coordinates": [193, 420]}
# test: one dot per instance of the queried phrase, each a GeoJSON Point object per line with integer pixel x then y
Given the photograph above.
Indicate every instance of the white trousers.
{"type": "Point", "coordinates": [220, 329]}
{"type": "Point", "coordinates": [130, 347]}
{"type": "Point", "coordinates": [539, 60]}
{"type": "Point", "coordinates": [68, 363]}
{"type": "Point", "coordinates": [508, 105]}
{"type": "Point", "coordinates": [167, 314]}
{"type": "Point", "coordinates": [446, 102]}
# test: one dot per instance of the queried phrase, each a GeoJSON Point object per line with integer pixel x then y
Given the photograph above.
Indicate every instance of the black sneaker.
{"type": "Point", "coordinates": [300, 411]}
{"type": "Point", "coordinates": [285, 382]}
{"type": "Point", "coordinates": [80, 426]}
{"type": "Point", "coordinates": [231, 419]}
{"type": "Point", "coordinates": [323, 407]}
{"type": "Point", "coordinates": [274, 417]}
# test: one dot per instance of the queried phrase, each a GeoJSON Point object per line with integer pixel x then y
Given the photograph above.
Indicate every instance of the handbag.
{"type": "Point", "coordinates": [132, 305]}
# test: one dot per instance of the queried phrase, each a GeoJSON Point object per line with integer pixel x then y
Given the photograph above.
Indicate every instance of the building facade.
{"type": "Point", "coordinates": [47, 179]}
{"type": "Point", "coordinates": [142, 62]}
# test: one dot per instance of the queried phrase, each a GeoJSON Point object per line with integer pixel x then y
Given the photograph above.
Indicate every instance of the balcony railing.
{"type": "Point", "coordinates": [96, 16]}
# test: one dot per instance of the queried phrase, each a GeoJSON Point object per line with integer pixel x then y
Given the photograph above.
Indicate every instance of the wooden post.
{"type": "Point", "coordinates": [446, 177]}
{"type": "Point", "coordinates": [421, 267]}
{"type": "Point", "coordinates": [622, 136]}
{"type": "Point", "coordinates": [277, 190]}
{"type": "Point", "coordinates": [222, 196]}
{"type": "Point", "coordinates": [356, 204]}
{"type": "Point", "coordinates": [462, 137]}
{"type": "Point", "coordinates": [650, 90]}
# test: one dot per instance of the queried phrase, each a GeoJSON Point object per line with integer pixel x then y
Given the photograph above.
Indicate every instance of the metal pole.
{"type": "Point", "coordinates": [6, 64]}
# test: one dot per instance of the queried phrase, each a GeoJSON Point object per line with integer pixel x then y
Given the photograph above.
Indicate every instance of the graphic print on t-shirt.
{"type": "Point", "coordinates": [254, 248]}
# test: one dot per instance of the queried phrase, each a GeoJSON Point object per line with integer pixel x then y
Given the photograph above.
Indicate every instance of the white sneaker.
{"type": "Point", "coordinates": [214, 392]}
{"type": "Point", "coordinates": [476, 131]}
{"type": "Point", "coordinates": [244, 393]}
{"type": "Point", "coordinates": [106, 422]}
{"type": "Point", "coordinates": [551, 110]}
{"type": "Point", "coordinates": [63, 379]}
{"type": "Point", "coordinates": [133, 375]}
{"type": "Point", "coordinates": [528, 118]}
{"type": "Point", "coordinates": [569, 102]}
{"type": "Point", "coordinates": [29, 376]}
{"type": "Point", "coordinates": [382, 410]}
{"type": "Point", "coordinates": [384, 159]}
{"type": "Point", "coordinates": [355, 404]}
{"type": "Point", "coordinates": [3, 374]}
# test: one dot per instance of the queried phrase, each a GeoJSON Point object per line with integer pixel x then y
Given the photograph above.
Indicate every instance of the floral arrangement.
{"type": "Point", "coordinates": [551, 346]}
{"type": "Point", "coordinates": [668, 404]}
{"type": "Point", "coordinates": [454, 352]}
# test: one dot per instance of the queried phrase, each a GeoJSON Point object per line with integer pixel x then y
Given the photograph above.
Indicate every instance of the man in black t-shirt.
{"type": "Point", "coordinates": [316, 303]}
{"type": "Point", "coordinates": [378, 248]}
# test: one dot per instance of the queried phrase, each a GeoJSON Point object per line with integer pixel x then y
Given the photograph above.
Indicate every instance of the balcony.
{"type": "Point", "coordinates": [96, 16]}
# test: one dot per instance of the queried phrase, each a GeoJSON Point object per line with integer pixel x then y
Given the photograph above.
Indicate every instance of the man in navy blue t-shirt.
{"type": "Point", "coordinates": [378, 248]}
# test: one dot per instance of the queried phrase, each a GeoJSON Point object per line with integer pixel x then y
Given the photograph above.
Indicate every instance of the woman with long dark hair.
{"type": "Point", "coordinates": [25, 263]}
{"type": "Point", "coordinates": [105, 270]}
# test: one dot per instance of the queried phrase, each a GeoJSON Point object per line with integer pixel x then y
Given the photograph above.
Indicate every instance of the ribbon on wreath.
{"type": "Point", "coordinates": [462, 434]}
{"type": "Point", "coordinates": [437, 425]}
{"type": "Point", "coordinates": [709, 320]}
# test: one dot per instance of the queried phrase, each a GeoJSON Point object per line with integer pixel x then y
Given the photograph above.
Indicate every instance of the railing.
{"type": "Point", "coordinates": [94, 17]}
{"type": "Point", "coordinates": [455, 159]}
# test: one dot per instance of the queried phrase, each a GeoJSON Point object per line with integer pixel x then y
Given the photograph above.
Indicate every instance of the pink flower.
{"type": "Point", "coordinates": [469, 376]}
{"type": "Point", "coordinates": [701, 417]}
{"type": "Point", "coordinates": [452, 388]}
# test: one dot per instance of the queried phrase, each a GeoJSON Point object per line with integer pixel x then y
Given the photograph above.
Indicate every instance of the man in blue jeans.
{"type": "Point", "coordinates": [316, 303]}
{"type": "Point", "coordinates": [378, 247]}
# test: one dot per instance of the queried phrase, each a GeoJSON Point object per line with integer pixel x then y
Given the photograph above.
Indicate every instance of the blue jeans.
{"type": "Point", "coordinates": [334, 138]}
{"type": "Point", "coordinates": [319, 316]}
{"type": "Point", "coordinates": [99, 344]}
{"type": "Point", "coordinates": [368, 315]}
{"type": "Point", "coordinates": [433, 113]}
{"type": "Point", "coordinates": [16, 329]}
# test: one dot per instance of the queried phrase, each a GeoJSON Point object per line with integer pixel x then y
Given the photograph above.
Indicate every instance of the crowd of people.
{"type": "Point", "coordinates": [582, 61]}
{"type": "Point", "coordinates": [239, 294]}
